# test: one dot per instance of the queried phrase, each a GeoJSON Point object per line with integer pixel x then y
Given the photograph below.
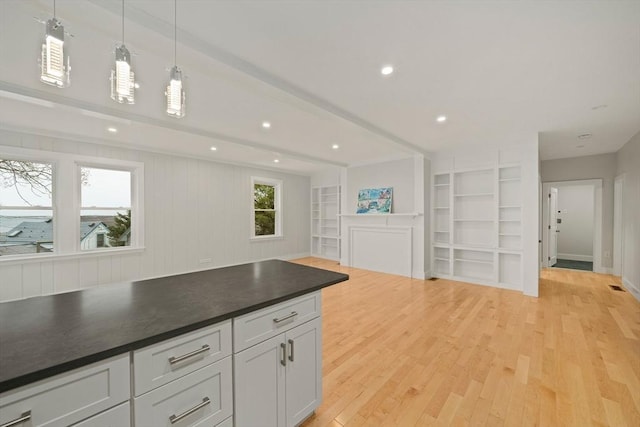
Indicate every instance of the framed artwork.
{"type": "Point", "coordinates": [375, 200]}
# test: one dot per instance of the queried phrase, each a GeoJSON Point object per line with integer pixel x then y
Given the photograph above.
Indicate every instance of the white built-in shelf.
{"type": "Point", "coordinates": [440, 185]}
{"type": "Point", "coordinates": [441, 259]}
{"type": "Point", "coordinates": [509, 179]}
{"type": "Point", "coordinates": [472, 220]}
{"type": "Point", "coordinates": [509, 207]}
{"type": "Point", "coordinates": [510, 234]}
{"type": "Point", "coordinates": [509, 220]}
{"type": "Point", "coordinates": [473, 195]}
{"type": "Point", "coordinates": [483, 248]}
{"type": "Point", "coordinates": [475, 261]}
{"type": "Point", "coordinates": [441, 207]}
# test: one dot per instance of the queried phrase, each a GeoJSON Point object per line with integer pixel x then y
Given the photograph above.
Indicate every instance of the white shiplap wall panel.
{"type": "Point", "coordinates": [10, 282]}
{"type": "Point", "coordinates": [31, 280]}
{"type": "Point", "coordinates": [195, 211]}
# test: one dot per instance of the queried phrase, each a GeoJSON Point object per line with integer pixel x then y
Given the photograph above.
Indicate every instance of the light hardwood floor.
{"type": "Point", "coordinates": [403, 352]}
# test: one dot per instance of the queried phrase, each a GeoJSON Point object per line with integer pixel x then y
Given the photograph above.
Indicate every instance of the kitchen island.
{"type": "Point", "coordinates": [179, 329]}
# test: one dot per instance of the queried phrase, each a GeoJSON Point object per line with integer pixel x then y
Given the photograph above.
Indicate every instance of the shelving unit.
{"type": "Point", "coordinates": [477, 226]}
{"type": "Point", "coordinates": [325, 222]}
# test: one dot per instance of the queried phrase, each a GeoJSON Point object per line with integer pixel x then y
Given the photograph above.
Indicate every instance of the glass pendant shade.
{"type": "Point", "coordinates": [175, 94]}
{"type": "Point", "coordinates": [123, 78]}
{"type": "Point", "coordinates": [54, 62]}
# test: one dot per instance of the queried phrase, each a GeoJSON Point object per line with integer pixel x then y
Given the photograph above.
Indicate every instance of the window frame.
{"type": "Point", "coordinates": [66, 205]}
{"type": "Point", "coordinates": [277, 207]}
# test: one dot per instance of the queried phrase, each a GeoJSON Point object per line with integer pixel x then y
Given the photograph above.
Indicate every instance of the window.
{"type": "Point", "coordinates": [79, 203]}
{"type": "Point", "coordinates": [26, 207]}
{"type": "Point", "coordinates": [105, 208]}
{"type": "Point", "coordinates": [266, 218]}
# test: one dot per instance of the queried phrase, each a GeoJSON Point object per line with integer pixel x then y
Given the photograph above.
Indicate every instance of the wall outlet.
{"type": "Point", "coordinates": [607, 254]}
{"type": "Point", "coordinates": [205, 260]}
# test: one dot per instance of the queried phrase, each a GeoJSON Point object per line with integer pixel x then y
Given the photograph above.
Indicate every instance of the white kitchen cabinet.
{"type": "Point", "coordinates": [120, 416]}
{"type": "Point", "coordinates": [69, 397]}
{"type": "Point", "coordinates": [278, 382]}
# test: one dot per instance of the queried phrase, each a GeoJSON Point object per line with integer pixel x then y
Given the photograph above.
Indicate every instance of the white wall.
{"type": "Point", "coordinates": [601, 166]}
{"type": "Point", "coordinates": [576, 207]}
{"type": "Point", "coordinates": [628, 159]}
{"type": "Point", "coordinates": [197, 216]}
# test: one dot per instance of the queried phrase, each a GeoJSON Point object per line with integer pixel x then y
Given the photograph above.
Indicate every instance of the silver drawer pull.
{"type": "Point", "coordinates": [26, 416]}
{"type": "Point", "coordinates": [175, 418]}
{"type": "Point", "coordinates": [282, 319]}
{"type": "Point", "coordinates": [174, 360]}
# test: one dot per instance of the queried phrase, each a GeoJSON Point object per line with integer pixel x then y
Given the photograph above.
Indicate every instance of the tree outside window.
{"type": "Point", "coordinates": [266, 207]}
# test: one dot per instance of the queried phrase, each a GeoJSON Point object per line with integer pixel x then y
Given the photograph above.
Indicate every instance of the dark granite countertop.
{"type": "Point", "coordinates": [44, 336]}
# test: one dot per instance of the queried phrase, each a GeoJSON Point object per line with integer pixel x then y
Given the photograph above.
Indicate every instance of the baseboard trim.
{"type": "Point", "coordinates": [631, 288]}
{"type": "Point", "coordinates": [576, 257]}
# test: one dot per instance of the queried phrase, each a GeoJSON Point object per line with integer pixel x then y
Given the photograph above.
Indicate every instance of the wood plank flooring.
{"type": "Point", "coordinates": [403, 352]}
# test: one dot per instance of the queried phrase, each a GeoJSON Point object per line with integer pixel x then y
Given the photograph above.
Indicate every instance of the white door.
{"type": "Point", "coordinates": [304, 371]}
{"type": "Point", "coordinates": [259, 376]}
{"type": "Point", "coordinates": [553, 226]}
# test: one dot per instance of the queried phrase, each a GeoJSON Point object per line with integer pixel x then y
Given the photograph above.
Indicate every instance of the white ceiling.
{"type": "Point", "coordinates": [501, 72]}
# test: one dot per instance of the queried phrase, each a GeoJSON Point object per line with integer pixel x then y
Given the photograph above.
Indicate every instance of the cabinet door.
{"type": "Point", "coordinates": [260, 384]}
{"type": "Point", "coordinates": [304, 371]}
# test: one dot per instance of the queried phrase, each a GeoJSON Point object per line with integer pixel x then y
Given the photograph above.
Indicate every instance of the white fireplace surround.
{"type": "Point", "coordinates": [387, 249]}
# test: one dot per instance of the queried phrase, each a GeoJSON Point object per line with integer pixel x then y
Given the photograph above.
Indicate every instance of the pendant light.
{"type": "Point", "coordinates": [122, 76]}
{"type": "Point", "coordinates": [54, 61]}
{"type": "Point", "coordinates": [175, 90]}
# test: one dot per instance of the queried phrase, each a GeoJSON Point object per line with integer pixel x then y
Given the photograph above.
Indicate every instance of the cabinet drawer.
{"type": "Point", "coordinates": [203, 397]}
{"type": "Point", "coordinates": [69, 397]}
{"type": "Point", "coordinates": [166, 361]}
{"type": "Point", "coordinates": [120, 416]}
{"type": "Point", "coordinates": [261, 325]}
{"type": "Point", "coordinates": [226, 423]}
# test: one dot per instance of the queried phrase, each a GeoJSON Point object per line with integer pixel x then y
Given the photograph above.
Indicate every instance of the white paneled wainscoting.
{"type": "Point", "coordinates": [196, 217]}
{"type": "Point", "coordinates": [386, 249]}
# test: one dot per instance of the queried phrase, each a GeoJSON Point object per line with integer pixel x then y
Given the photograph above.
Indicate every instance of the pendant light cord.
{"type": "Point", "coordinates": [123, 22]}
{"type": "Point", "coordinates": [175, 32]}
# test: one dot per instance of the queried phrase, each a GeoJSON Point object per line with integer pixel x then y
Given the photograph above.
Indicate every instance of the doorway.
{"type": "Point", "coordinates": [572, 225]}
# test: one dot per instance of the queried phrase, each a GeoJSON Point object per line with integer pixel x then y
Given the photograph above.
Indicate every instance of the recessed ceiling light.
{"type": "Point", "coordinates": [585, 136]}
{"type": "Point", "coordinates": [213, 148]}
{"type": "Point", "coordinates": [266, 125]}
{"type": "Point", "coordinates": [579, 146]}
{"type": "Point", "coordinates": [441, 119]}
{"type": "Point", "coordinates": [112, 129]}
{"type": "Point", "coordinates": [335, 146]}
{"type": "Point", "coordinates": [386, 70]}
{"type": "Point", "coordinates": [136, 85]}
{"type": "Point", "coordinates": [599, 107]}
{"type": "Point", "coordinates": [276, 161]}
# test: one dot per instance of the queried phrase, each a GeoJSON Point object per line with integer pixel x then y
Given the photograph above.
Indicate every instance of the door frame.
{"type": "Point", "coordinates": [618, 233]}
{"type": "Point", "coordinates": [596, 184]}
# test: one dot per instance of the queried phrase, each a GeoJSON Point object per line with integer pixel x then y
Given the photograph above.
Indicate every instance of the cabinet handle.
{"type": "Point", "coordinates": [175, 418]}
{"type": "Point", "coordinates": [283, 360]}
{"type": "Point", "coordinates": [291, 352]}
{"type": "Point", "coordinates": [26, 416]}
{"type": "Point", "coordinates": [282, 319]}
{"type": "Point", "coordinates": [174, 360]}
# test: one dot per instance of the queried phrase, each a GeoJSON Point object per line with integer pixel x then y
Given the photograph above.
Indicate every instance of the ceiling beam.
{"type": "Point", "coordinates": [40, 97]}
{"type": "Point", "coordinates": [218, 54]}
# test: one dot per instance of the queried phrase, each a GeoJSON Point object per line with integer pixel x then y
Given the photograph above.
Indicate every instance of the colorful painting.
{"type": "Point", "coordinates": [375, 200]}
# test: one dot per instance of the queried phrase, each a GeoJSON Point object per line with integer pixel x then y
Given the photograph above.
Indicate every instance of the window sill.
{"type": "Point", "coordinates": [265, 238]}
{"type": "Point", "coordinates": [22, 259]}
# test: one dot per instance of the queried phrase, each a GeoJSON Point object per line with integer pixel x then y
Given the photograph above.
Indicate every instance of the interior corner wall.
{"type": "Point", "coordinates": [427, 217]}
{"type": "Point", "coordinates": [628, 163]}
{"type": "Point", "coordinates": [197, 216]}
{"type": "Point", "coordinates": [601, 166]}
